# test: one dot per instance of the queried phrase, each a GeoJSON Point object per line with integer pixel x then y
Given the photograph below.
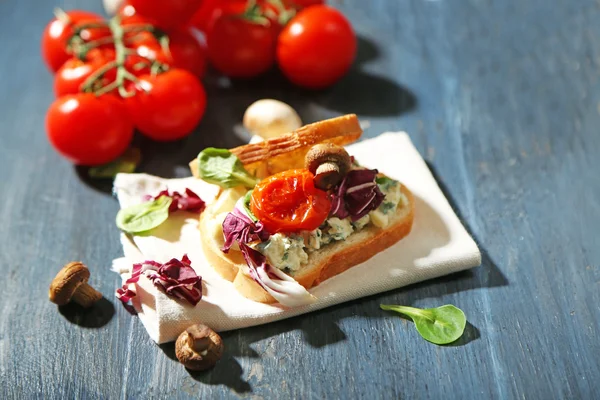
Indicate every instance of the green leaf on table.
{"type": "Point", "coordinates": [221, 167]}
{"type": "Point", "coordinates": [441, 325]}
{"type": "Point", "coordinates": [145, 216]}
{"type": "Point", "coordinates": [128, 162]}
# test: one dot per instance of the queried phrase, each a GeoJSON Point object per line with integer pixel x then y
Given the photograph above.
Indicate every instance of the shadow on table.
{"type": "Point", "coordinates": [228, 371]}
{"type": "Point", "coordinates": [471, 333]}
{"type": "Point", "coordinates": [96, 316]}
{"type": "Point", "coordinates": [101, 185]}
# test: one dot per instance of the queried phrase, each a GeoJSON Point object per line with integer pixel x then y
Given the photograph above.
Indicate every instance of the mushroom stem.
{"type": "Point", "coordinates": [198, 344]}
{"type": "Point", "coordinates": [327, 175]}
{"type": "Point", "coordinates": [86, 296]}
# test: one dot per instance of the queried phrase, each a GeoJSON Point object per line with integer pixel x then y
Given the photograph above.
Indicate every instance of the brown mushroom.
{"type": "Point", "coordinates": [71, 284]}
{"type": "Point", "coordinates": [198, 347]}
{"type": "Point", "coordinates": [329, 163]}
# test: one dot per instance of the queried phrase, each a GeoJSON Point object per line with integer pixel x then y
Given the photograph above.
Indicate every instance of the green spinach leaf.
{"type": "Point", "coordinates": [145, 216]}
{"type": "Point", "coordinates": [441, 325]}
{"type": "Point", "coordinates": [221, 167]}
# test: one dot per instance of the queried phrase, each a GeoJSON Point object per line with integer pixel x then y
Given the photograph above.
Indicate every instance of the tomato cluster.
{"type": "Point", "coordinates": [142, 69]}
{"type": "Point", "coordinates": [314, 45]}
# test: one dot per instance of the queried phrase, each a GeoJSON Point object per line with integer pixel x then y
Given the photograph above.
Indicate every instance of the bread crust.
{"type": "Point", "coordinates": [338, 258]}
{"type": "Point", "coordinates": [287, 151]}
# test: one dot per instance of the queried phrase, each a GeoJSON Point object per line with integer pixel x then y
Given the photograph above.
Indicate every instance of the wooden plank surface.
{"type": "Point", "coordinates": [501, 98]}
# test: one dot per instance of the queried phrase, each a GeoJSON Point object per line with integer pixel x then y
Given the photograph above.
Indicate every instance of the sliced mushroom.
{"type": "Point", "coordinates": [71, 284]}
{"type": "Point", "coordinates": [329, 163]}
{"type": "Point", "coordinates": [198, 347]}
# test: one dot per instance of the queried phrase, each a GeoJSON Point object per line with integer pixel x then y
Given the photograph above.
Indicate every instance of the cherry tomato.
{"type": "Point", "coordinates": [185, 51]}
{"type": "Point", "coordinates": [72, 75]}
{"type": "Point", "coordinates": [74, 72]}
{"type": "Point", "coordinates": [170, 107]}
{"type": "Point", "coordinates": [317, 47]}
{"type": "Point", "coordinates": [89, 130]}
{"type": "Point", "coordinates": [129, 16]}
{"type": "Point", "coordinates": [289, 202]}
{"type": "Point", "coordinates": [212, 9]}
{"type": "Point", "coordinates": [239, 48]}
{"type": "Point", "coordinates": [300, 4]}
{"type": "Point", "coordinates": [57, 32]}
{"type": "Point", "coordinates": [167, 14]}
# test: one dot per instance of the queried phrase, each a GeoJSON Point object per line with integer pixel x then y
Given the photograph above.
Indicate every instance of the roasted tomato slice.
{"type": "Point", "coordinates": [290, 202]}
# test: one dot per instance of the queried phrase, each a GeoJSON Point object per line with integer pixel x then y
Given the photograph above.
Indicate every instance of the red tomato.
{"type": "Point", "coordinates": [317, 47]}
{"type": "Point", "coordinates": [170, 108]}
{"type": "Point", "coordinates": [74, 72]}
{"type": "Point", "coordinates": [289, 202]}
{"type": "Point", "coordinates": [185, 51]}
{"type": "Point", "coordinates": [72, 75]}
{"type": "Point", "coordinates": [89, 130]}
{"type": "Point", "coordinates": [300, 4]}
{"type": "Point", "coordinates": [129, 16]}
{"type": "Point", "coordinates": [239, 48]}
{"type": "Point", "coordinates": [56, 34]}
{"type": "Point", "coordinates": [209, 10]}
{"type": "Point", "coordinates": [168, 14]}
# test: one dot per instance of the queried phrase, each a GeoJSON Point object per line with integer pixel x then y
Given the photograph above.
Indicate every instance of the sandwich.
{"type": "Point", "coordinates": [296, 210]}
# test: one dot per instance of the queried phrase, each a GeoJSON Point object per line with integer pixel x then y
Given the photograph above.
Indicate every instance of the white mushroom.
{"type": "Point", "coordinates": [269, 118]}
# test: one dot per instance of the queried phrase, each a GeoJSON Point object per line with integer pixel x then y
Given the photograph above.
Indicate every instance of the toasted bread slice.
{"type": "Point", "coordinates": [323, 264]}
{"type": "Point", "coordinates": [288, 151]}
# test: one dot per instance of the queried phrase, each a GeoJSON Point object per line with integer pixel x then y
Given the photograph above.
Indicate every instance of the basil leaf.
{"type": "Point", "coordinates": [145, 216]}
{"type": "Point", "coordinates": [128, 162]}
{"type": "Point", "coordinates": [247, 206]}
{"type": "Point", "coordinates": [221, 167]}
{"type": "Point", "coordinates": [441, 325]}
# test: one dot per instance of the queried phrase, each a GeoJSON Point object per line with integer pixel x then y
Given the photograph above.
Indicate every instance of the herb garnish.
{"type": "Point", "coordinates": [221, 167]}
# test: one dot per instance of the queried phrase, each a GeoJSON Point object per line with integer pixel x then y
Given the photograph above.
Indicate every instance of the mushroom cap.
{"type": "Point", "coordinates": [198, 347]}
{"type": "Point", "coordinates": [327, 152]}
{"type": "Point", "coordinates": [66, 282]}
{"type": "Point", "coordinates": [270, 118]}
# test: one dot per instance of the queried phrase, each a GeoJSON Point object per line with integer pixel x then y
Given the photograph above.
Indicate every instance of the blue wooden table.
{"type": "Point", "coordinates": [502, 98]}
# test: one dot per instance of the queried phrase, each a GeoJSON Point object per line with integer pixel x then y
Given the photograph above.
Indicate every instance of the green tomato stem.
{"type": "Point", "coordinates": [121, 52]}
{"type": "Point", "coordinates": [138, 28]}
{"type": "Point", "coordinates": [89, 82]}
{"type": "Point", "coordinates": [99, 42]}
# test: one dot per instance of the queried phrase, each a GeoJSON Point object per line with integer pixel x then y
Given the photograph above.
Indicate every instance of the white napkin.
{"type": "Point", "coordinates": [438, 245]}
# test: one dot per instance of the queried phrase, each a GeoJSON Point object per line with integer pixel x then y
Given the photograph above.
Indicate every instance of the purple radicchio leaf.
{"type": "Point", "coordinates": [278, 284]}
{"type": "Point", "coordinates": [238, 227]}
{"type": "Point", "coordinates": [188, 201]}
{"type": "Point", "coordinates": [357, 195]}
{"type": "Point", "coordinates": [175, 278]}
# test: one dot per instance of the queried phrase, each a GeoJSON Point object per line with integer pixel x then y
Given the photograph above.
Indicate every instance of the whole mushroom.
{"type": "Point", "coordinates": [71, 284]}
{"type": "Point", "coordinates": [270, 118]}
{"type": "Point", "coordinates": [329, 163]}
{"type": "Point", "coordinates": [198, 347]}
